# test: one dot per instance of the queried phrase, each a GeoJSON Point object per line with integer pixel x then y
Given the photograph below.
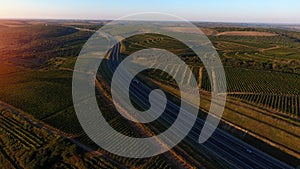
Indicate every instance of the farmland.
{"type": "Point", "coordinates": [37, 58]}
{"type": "Point", "coordinates": [26, 144]}
{"type": "Point", "coordinates": [245, 33]}
{"type": "Point", "coordinates": [39, 84]}
{"type": "Point", "coordinates": [262, 83]}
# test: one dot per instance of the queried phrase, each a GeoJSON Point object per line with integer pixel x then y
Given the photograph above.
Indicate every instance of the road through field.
{"type": "Point", "coordinates": [222, 145]}
{"type": "Point", "coordinates": [227, 148]}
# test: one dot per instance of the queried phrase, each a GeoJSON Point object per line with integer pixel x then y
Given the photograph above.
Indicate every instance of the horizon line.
{"type": "Point", "coordinates": [201, 21]}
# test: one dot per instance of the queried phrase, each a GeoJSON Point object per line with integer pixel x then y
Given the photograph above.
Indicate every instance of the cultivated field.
{"type": "Point", "coordinates": [262, 83]}
{"type": "Point", "coordinates": [36, 63]}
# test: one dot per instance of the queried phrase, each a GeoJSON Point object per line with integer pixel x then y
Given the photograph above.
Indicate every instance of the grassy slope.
{"type": "Point", "coordinates": [30, 56]}
{"type": "Point", "coordinates": [38, 93]}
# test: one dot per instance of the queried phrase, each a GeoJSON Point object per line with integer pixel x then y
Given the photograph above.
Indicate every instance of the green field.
{"type": "Point", "coordinates": [37, 92]}
{"type": "Point", "coordinates": [263, 77]}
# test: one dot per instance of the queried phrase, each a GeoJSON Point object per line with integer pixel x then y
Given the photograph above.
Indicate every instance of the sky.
{"type": "Point", "coordinates": [259, 11]}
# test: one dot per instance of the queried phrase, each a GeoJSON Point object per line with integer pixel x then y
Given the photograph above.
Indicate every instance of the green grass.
{"type": "Point", "coordinates": [37, 92]}
{"type": "Point", "coordinates": [144, 41]}
{"type": "Point", "coordinates": [65, 120]}
{"type": "Point", "coordinates": [285, 53]}
{"type": "Point", "coordinates": [69, 63]}
{"type": "Point", "coordinates": [32, 45]}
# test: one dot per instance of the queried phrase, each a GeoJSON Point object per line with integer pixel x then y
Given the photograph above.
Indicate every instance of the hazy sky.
{"type": "Point", "coordinates": [274, 11]}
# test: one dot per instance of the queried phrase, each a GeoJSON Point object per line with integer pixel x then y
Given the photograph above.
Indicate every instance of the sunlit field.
{"type": "Point", "coordinates": [39, 126]}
